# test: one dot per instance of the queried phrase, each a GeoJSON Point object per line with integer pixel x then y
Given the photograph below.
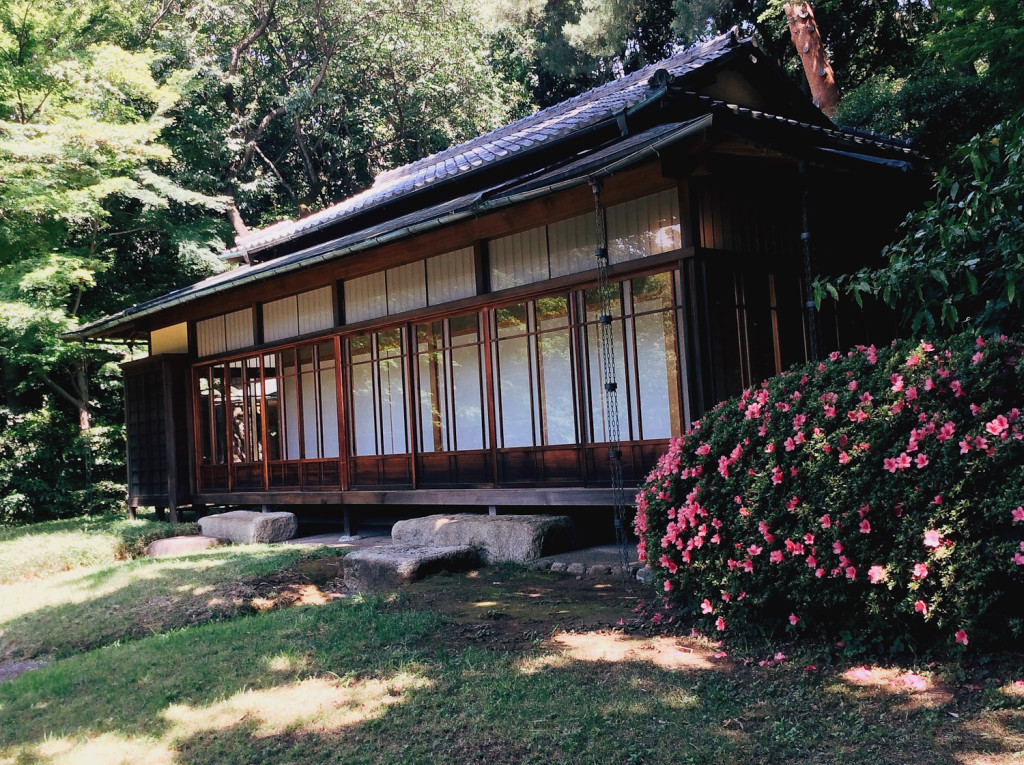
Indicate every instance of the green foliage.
{"type": "Point", "coordinates": [961, 258]}
{"type": "Point", "coordinates": [49, 468]}
{"type": "Point", "coordinates": [874, 498]}
{"type": "Point", "coordinates": [937, 110]}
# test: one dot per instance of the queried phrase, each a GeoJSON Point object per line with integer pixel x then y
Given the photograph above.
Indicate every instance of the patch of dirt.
{"type": "Point", "coordinates": [314, 581]}
{"type": "Point", "coordinates": [512, 611]}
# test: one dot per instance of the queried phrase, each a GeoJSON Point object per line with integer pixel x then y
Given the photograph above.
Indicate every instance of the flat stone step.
{"type": "Point", "coordinates": [500, 538]}
{"type": "Point", "coordinates": [180, 545]}
{"type": "Point", "coordinates": [376, 568]}
{"type": "Point", "coordinates": [249, 526]}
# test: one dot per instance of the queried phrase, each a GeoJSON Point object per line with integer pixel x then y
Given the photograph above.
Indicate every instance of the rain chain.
{"type": "Point", "coordinates": [609, 385]}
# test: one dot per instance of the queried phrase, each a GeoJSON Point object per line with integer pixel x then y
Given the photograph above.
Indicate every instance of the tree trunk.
{"type": "Point", "coordinates": [807, 39]}
{"type": "Point", "coordinates": [84, 420]}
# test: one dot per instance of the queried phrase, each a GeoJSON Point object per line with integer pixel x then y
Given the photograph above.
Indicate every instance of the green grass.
{"type": "Point", "coordinates": [353, 682]}
{"type": "Point", "coordinates": [164, 660]}
{"type": "Point", "coordinates": [38, 550]}
{"type": "Point", "coordinates": [83, 609]}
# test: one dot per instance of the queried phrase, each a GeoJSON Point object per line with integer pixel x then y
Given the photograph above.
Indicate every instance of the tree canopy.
{"type": "Point", "coordinates": [137, 137]}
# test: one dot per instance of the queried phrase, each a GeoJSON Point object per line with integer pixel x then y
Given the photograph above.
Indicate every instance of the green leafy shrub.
{"type": "Point", "coordinates": [959, 262]}
{"type": "Point", "coordinates": [874, 498]}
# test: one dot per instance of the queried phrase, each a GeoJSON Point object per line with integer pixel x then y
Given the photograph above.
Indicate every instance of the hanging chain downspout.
{"type": "Point", "coordinates": [609, 386]}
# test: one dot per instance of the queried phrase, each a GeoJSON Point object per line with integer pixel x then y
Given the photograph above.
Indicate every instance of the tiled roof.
{"type": "Point", "coordinates": [514, 139]}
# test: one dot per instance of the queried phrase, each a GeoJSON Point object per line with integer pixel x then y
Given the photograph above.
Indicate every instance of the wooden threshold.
{"type": "Point", "coordinates": [485, 497]}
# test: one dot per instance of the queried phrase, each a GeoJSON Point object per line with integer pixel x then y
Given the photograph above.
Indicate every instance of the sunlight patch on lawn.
{"type": "Point", "coordinates": [312, 705]}
{"type": "Point", "coordinates": [664, 652]}
{"type": "Point", "coordinates": [1002, 730]}
{"type": "Point", "coordinates": [315, 706]}
{"type": "Point", "coordinates": [916, 690]}
{"type": "Point", "coordinates": [104, 749]}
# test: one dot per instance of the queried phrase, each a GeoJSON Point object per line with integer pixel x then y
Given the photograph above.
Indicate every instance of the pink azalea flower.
{"type": "Point", "coordinates": [946, 431]}
{"type": "Point", "coordinates": [920, 571]}
{"type": "Point", "coordinates": [720, 624]}
{"type": "Point", "coordinates": [865, 527]}
{"type": "Point", "coordinates": [921, 460]}
{"type": "Point", "coordinates": [706, 606]}
{"type": "Point", "coordinates": [844, 458]}
{"type": "Point", "coordinates": [932, 538]}
{"type": "Point", "coordinates": [921, 607]}
{"type": "Point", "coordinates": [819, 572]}
{"type": "Point", "coordinates": [851, 573]}
{"type": "Point", "coordinates": [965, 446]}
{"type": "Point", "coordinates": [703, 450]}
{"type": "Point", "coordinates": [889, 463]}
{"type": "Point", "coordinates": [1018, 558]}
{"type": "Point", "coordinates": [997, 426]}
{"type": "Point", "coordinates": [897, 383]}
{"type": "Point", "coordinates": [1018, 515]}
{"type": "Point", "coordinates": [826, 522]}
{"type": "Point", "coordinates": [837, 548]}
{"type": "Point", "coordinates": [668, 585]}
{"type": "Point", "coordinates": [877, 574]}
{"type": "Point", "coordinates": [961, 637]}
{"type": "Point", "coordinates": [776, 475]}
{"type": "Point", "coordinates": [789, 444]}
{"type": "Point", "coordinates": [754, 550]}
{"type": "Point", "coordinates": [793, 619]}
{"type": "Point", "coordinates": [721, 655]}
{"type": "Point", "coordinates": [776, 556]}
{"type": "Point", "coordinates": [903, 461]}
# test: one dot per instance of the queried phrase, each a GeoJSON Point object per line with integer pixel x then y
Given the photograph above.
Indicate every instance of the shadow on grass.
{"type": "Point", "coordinates": [134, 599]}
{"type": "Point", "coordinates": [350, 682]}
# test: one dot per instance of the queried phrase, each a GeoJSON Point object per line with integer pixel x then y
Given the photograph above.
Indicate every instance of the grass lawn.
{"type": "Point", "coordinates": [498, 666]}
{"type": "Point", "coordinates": [40, 549]}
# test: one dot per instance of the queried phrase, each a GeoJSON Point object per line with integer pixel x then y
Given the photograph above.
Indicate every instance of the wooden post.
{"type": "Point", "coordinates": [807, 39]}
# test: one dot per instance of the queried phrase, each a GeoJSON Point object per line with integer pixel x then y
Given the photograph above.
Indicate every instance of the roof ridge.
{"type": "Point", "coordinates": [552, 122]}
{"type": "Point", "coordinates": [619, 83]}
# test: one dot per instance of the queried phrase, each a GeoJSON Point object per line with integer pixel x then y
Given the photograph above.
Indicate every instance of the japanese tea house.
{"type": "Point", "coordinates": [436, 339]}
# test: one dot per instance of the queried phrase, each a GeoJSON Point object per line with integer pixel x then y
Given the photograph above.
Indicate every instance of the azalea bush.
{"type": "Point", "coordinates": [876, 499]}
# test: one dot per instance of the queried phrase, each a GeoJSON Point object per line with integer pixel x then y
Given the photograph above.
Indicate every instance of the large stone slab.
{"type": "Point", "coordinates": [376, 568]}
{"type": "Point", "coordinates": [180, 545]}
{"type": "Point", "coordinates": [500, 538]}
{"type": "Point", "coordinates": [247, 526]}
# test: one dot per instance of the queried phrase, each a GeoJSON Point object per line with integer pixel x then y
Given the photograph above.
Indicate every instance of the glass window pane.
{"type": "Point", "coordinates": [657, 375]}
{"type": "Point", "coordinates": [364, 421]}
{"type": "Point", "coordinates": [329, 411]}
{"type": "Point", "coordinates": [310, 415]}
{"type": "Point", "coordinates": [555, 375]}
{"type": "Point", "coordinates": [239, 437]}
{"type": "Point", "coordinates": [392, 405]}
{"type": "Point", "coordinates": [203, 402]}
{"type": "Point", "coordinates": [433, 415]}
{"type": "Point", "coordinates": [220, 447]}
{"type": "Point", "coordinates": [514, 386]}
{"type": "Point", "coordinates": [511, 320]}
{"type": "Point", "coordinates": [290, 416]}
{"type": "Point", "coordinates": [470, 427]}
